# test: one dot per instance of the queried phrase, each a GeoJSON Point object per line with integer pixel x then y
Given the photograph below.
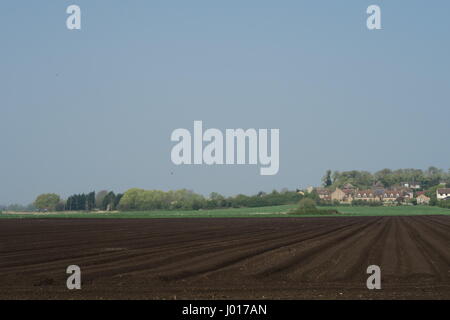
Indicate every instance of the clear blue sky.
{"type": "Point", "coordinates": [94, 109]}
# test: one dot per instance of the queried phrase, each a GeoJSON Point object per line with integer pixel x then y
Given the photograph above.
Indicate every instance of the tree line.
{"type": "Point", "coordinates": [103, 200]}
{"type": "Point", "coordinates": [386, 178]}
{"type": "Point", "coordinates": [139, 199]}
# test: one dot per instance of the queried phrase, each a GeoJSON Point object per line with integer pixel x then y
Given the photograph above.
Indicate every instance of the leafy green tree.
{"type": "Point", "coordinates": [99, 198]}
{"type": "Point", "coordinates": [129, 200]}
{"type": "Point", "coordinates": [78, 202]}
{"type": "Point", "coordinates": [117, 200]}
{"type": "Point", "coordinates": [47, 201]}
{"type": "Point", "coordinates": [90, 201]}
{"type": "Point", "coordinates": [326, 180]}
{"type": "Point", "coordinates": [431, 193]}
{"type": "Point", "coordinates": [109, 202]}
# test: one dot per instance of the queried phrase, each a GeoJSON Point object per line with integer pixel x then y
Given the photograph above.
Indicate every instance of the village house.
{"type": "Point", "coordinates": [422, 198]}
{"type": "Point", "coordinates": [324, 194]}
{"type": "Point", "coordinates": [443, 193]}
{"type": "Point", "coordinates": [347, 195]}
{"type": "Point", "coordinates": [365, 195]}
{"type": "Point", "coordinates": [342, 195]}
{"type": "Point", "coordinates": [391, 195]}
{"type": "Point", "coordinates": [411, 185]}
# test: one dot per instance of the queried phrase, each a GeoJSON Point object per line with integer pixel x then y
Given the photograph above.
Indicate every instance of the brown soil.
{"type": "Point", "coordinates": [255, 258]}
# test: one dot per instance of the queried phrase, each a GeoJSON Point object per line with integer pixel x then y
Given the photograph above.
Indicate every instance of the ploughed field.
{"type": "Point", "coordinates": [226, 258]}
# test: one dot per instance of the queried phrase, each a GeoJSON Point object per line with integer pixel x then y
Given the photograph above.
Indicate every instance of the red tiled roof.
{"type": "Point", "coordinates": [423, 194]}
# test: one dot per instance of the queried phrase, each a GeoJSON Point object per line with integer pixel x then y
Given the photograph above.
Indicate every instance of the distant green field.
{"type": "Point", "coordinates": [391, 211]}
{"type": "Point", "coordinates": [216, 213]}
{"type": "Point", "coordinates": [276, 211]}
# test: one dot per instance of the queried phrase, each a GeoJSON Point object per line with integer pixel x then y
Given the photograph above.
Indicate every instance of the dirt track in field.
{"type": "Point", "coordinates": [255, 258]}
